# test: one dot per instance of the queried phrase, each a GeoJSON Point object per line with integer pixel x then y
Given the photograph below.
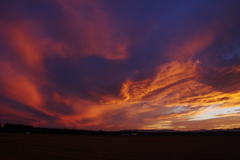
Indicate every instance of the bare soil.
{"type": "Point", "coordinates": [44, 147]}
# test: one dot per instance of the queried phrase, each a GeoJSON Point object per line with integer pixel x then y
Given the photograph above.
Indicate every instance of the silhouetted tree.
{"type": "Point", "coordinates": [16, 128]}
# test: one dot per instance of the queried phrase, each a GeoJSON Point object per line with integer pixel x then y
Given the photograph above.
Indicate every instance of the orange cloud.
{"type": "Point", "coordinates": [24, 42]}
{"type": "Point", "coordinates": [167, 75]}
{"type": "Point", "coordinates": [19, 87]}
{"type": "Point", "coordinates": [178, 84]}
{"type": "Point", "coordinates": [181, 115]}
{"type": "Point", "coordinates": [214, 123]}
{"type": "Point", "coordinates": [230, 114]}
{"type": "Point", "coordinates": [184, 47]}
{"type": "Point", "coordinates": [8, 113]}
{"type": "Point", "coordinates": [26, 46]}
{"type": "Point", "coordinates": [27, 42]}
{"type": "Point", "coordinates": [24, 76]}
{"type": "Point", "coordinates": [58, 98]}
{"type": "Point", "coordinates": [95, 33]}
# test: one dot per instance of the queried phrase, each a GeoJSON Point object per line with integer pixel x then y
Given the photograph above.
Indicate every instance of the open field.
{"type": "Point", "coordinates": [24, 146]}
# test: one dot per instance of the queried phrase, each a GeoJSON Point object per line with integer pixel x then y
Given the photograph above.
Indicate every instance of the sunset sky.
{"type": "Point", "coordinates": [120, 64]}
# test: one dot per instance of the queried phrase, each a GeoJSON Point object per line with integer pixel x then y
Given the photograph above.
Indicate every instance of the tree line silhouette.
{"type": "Point", "coordinates": [28, 129]}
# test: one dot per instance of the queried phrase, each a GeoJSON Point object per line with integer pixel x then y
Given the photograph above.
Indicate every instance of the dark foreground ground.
{"type": "Point", "coordinates": [35, 147]}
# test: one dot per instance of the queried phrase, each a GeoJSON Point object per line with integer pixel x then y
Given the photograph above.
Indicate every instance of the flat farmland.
{"type": "Point", "coordinates": [43, 147]}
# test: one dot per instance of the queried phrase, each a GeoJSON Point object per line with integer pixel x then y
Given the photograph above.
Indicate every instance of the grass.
{"type": "Point", "coordinates": [42, 147]}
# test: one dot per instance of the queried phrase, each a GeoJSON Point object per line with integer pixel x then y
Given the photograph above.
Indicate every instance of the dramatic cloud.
{"type": "Point", "coordinates": [120, 64]}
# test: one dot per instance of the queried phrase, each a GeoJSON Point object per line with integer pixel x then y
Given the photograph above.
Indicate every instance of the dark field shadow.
{"type": "Point", "coordinates": [61, 147]}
